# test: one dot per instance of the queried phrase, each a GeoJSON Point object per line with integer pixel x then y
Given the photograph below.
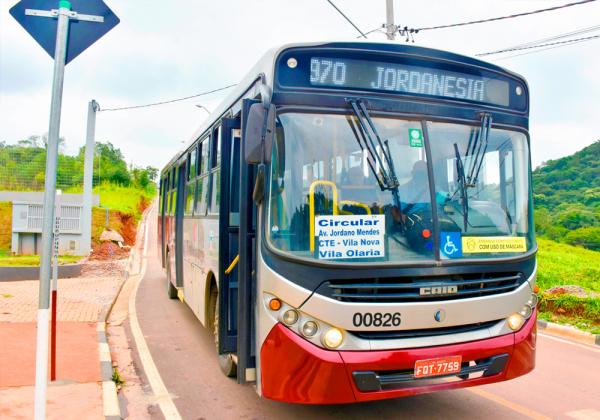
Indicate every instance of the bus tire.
{"type": "Point", "coordinates": [226, 362]}
{"type": "Point", "coordinates": [171, 290]}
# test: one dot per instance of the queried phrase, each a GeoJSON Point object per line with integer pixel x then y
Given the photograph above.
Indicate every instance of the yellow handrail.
{"type": "Point", "coordinates": [311, 205]}
{"type": "Point", "coordinates": [355, 203]}
{"type": "Point", "coordinates": [233, 264]}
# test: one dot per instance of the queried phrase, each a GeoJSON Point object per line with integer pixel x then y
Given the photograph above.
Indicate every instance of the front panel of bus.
{"type": "Point", "coordinates": [397, 226]}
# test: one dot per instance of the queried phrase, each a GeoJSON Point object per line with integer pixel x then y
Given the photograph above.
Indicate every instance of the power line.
{"type": "Point", "coordinates": [540, 50]}
{"type": "Point", "coordinates": [568, 41]}
{"type": "Point", "coordinates": [347, 18]}
{"type": "Point", "coordinates": [473, 22]}
{"type": "Point", "coordinates": [560, 36]}
{"type": "Point", "coordinates": [169, 101]}
{"type": "Point", "coordinates": [379, 29]}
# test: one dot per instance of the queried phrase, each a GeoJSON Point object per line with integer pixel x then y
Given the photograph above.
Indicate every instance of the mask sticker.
{"type": "Point", "coordinates": [493, 244]}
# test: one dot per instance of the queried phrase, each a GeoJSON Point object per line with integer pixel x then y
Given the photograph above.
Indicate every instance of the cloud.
{"type": "Point", "coordinates": [166, 50]}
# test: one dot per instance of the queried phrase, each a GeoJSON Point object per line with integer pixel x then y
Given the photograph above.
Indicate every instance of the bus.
{"type": "Point", "coordinates": [354, 223]}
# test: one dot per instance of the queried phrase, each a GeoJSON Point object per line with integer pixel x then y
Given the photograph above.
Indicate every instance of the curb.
{"type": "Point", "coordinates": [18, 273]}
{"type": "Point", "coordinates": [110, 398]}
{"type": "Point", "coordinates": [569, 333]}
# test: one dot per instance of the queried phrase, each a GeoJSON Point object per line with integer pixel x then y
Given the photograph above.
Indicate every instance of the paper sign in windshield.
{"type": "Point", "coordinates": [342, 237]}
{"type": "Point", "coordinates": [492, 244]}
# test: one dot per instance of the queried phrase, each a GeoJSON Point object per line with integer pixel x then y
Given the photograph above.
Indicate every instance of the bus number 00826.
{"type": "Point", "coordinates": [376, 319]}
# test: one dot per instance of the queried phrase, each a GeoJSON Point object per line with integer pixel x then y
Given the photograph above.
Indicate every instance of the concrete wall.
{"type": "Point", "coordinates": [38, 197]}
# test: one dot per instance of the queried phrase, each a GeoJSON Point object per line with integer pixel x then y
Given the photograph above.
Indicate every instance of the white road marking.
{"type": "Point", "coordinates": [527, 412]}
{"type": "Point", "coordinates": [146, 234]}
{"type": "Point", "coordinates": [586, 414]}
{"type": "Point", "coordinates": [562, 340]}
{"type": "Point", "coordinates": [161, 394]}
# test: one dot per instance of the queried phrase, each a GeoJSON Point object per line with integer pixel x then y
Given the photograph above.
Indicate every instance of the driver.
{"type": "Point", "coordinates": [416, 190]}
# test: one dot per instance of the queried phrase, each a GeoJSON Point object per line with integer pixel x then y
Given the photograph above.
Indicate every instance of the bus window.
{"type": "Point", "coordinates": [160, 196]}
{"type": "Point", "coordinates": [189, 197]}
{"type": "Point", "coordinates": [202, 196]}
{"type": "Point", "coordinates": [216, 148]}
{"type": "Point", "coordinates": [234, 184]}
{"type": "Point", "coordinates": [192, 165]}
{"type": "Point", "coordinates": [204, 148]}
{"type": "Point", "coordinates": [215, 192]}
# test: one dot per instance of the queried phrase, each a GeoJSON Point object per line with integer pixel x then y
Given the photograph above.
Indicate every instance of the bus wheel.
{"type": "Point", "coordinates": [226, 362]}
{"type": "Point", "coordinates": [171, 290]}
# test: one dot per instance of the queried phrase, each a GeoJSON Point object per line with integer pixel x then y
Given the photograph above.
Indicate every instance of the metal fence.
{"type": "Point", "coordinates": [24, 169]}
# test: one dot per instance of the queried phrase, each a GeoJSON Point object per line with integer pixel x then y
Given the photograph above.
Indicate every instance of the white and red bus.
{"type": "Point", "coordinates": [354, 222]}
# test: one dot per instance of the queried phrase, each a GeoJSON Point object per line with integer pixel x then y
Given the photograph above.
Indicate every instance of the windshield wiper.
{"type": "Point", "coordinates": [477, 149]}
{"type": "Point", "coordinates": [368, 140]}
{"type": "Point", "coordinates": [460, 169]}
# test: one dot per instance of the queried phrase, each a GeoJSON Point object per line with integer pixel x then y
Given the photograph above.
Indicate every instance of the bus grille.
{"type": "Point", "coordinates": [419, 289]}
{"type": "Point", "coordinates": [426, 332]}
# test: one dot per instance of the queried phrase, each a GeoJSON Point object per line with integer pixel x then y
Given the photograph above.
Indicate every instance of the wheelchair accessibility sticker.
{"type": "Point", "coordinates": [451, 244]}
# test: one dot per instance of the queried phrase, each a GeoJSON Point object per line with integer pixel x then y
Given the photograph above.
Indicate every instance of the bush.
{"type": "Point", "coordinates": [588, 237]}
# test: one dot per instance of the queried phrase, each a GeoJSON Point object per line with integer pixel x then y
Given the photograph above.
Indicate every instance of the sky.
{"type": "Point", "coordinates": [163, 50]}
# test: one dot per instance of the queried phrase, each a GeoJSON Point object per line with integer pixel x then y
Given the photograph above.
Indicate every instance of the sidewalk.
{"type": "Point", "coordinates": [77, 392]}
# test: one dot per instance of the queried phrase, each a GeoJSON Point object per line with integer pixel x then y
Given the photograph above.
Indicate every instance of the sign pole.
{"type": "Point", "coordinates": [41, 355]}
{"type": "Point", "coordinates": [55, 286]}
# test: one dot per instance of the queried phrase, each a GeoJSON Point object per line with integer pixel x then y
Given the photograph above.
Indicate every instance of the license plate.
{"type": "Point", "coordinates": [437, 366]}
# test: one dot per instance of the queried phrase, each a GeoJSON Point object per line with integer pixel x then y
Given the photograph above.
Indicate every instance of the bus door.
{"type": "Point", "coordinates": [163, 205]}
{"type": "Point", "coordinates": [229, 231]}
{"type": "Point", "coordinates": [247, 265]}
{"type": "Point", "coordinates": [179, 211]}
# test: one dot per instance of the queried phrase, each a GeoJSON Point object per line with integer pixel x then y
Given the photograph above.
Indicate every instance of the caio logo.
{"type": "Point", "coordinates": [438, 290]}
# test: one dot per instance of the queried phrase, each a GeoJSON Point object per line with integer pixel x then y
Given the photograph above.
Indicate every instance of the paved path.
{"type": "Point", "coordinates": [565, 384]}
{"type": "Point", "coordinates": [77, 393]}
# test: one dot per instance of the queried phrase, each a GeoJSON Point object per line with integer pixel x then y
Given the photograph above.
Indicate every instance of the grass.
{"type": "Point", "coordinates": [33, 260]}
{"type": "Point", "coordinates": [560, 264]}
{"type": "Point", "coordinates": [5, 224]}
{"type": "Point", "coordinates": [124, 199]}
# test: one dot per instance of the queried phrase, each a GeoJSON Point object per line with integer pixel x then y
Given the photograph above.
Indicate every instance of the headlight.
{"type": "Point", "coordinates": [290, 317]}
{"type": "Point", "coordinates": [310, 328]}
{"type": "Point", "coordinates": [314, 330]}
{"type": "Point", "coordinates": [533, 300]}
{"type": "Point", "coordinates": [515, 321]}
{"type": "Point", "coordinates": [333, 338]}
{"type": "Point", "coordinates": [526, 311]}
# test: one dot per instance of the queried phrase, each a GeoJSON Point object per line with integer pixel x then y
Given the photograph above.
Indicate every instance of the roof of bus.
{"type": "Point", "coordinates": [266, 66]}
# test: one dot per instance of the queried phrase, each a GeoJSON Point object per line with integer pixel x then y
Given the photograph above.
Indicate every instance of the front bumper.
{"type": "Point", "coordinates": [295, 370]}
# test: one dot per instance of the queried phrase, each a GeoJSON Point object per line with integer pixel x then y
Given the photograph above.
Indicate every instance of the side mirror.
{"type": "Point", "coordinates": [258, 134]}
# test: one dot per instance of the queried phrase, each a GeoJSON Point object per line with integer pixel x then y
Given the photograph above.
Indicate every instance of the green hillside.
{"type": "Point", "coordinates": [567, 198]}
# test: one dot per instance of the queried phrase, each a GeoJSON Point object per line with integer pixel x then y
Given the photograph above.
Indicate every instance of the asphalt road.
{"type": "Point", "coordinates": [565, 383]}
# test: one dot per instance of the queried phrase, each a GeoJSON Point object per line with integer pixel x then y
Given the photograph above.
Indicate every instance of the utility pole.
{"type": "Point", "coordinates": [390, 27]}
{"type": "Point", "coordinates": [88, 175]}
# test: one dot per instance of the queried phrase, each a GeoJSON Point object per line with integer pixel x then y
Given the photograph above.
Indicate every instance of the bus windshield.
{"type": "Point", "coordinates": [327, 202]}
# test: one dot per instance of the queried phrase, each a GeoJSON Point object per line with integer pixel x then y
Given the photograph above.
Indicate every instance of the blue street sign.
{"type": "Point", "coordinates": [82, 34]}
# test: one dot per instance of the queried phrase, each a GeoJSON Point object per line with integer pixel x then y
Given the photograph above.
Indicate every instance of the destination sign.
{"type": "Point", "coordinates": [401, 78]}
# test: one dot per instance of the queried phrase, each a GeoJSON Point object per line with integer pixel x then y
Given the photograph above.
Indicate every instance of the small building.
{"type": "Point", "coordinates": [27, 222]}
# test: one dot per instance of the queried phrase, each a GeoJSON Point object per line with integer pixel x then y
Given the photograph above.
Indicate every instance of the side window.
{"type": "Point", "coordinates": [160, 195]}
{"type": "Point", "coordinates": [215, 192]}
{"type": "Point", "coordinates": [202, 196]}
{"type": "Point", "coordinates": [234, 187]}
{"type": "Point", "coordinates": [216, 148]}
{"type": "Point", "coordinates": [189, 197]}
{"type": "Point", "coordinates": [205, 146]}
{"type": "Point", "coordinates": [192, 164]}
